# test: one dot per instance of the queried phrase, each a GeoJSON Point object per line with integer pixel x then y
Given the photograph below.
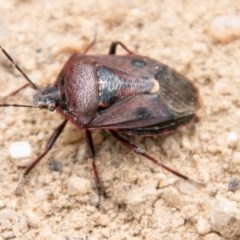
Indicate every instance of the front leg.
{"type": "Point", "coordinates": [91, 152]}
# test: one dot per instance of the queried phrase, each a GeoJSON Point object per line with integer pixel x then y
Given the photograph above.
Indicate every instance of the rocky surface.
{"type": "Point", "coordinates": [201, 41]}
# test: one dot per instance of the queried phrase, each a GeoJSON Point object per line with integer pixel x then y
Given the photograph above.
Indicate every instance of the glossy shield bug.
{"type": "Point", "coordinates": [129, 94]}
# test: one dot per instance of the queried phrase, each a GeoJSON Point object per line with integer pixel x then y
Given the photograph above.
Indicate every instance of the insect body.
{"type": "Point", "coordinates": [130, 93]}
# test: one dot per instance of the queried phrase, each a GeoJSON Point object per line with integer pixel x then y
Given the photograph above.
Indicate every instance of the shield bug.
{"type": "Point", "coordinates": [126, 94]}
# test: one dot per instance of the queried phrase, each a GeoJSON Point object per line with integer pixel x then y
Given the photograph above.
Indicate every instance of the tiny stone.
{"type": "Point", "coordinates": [186, 143]}
{"type": "Point", "coordinates": [225, 28]}
{"type": "Point", "coordinates": [55, 166]}
{"type": "Point", "coordinates": [78, 185]}
{"type": "Point", "coordinates": [9, 235]}
{"type": "Point", "coordinates": [33, 219]}
{"type": "Point", "coordinates": [199, 47]}
{"type": "Point", "coordinates": [233, 185]}
{"type": "Point", "coordinates": [2, 204]}
{"type": "Point", "coordinates": [94, 199]}
{"type": "Point", "coordinates": [205, 136]}
{"type": "Point", "coordinates": [139, 195]}
{"type": "Point", "coordinates": [23, 224]}
{"type": "Point", "coordinates": [189, 211]}
{"type": "Point", "coordinates": [203, 226]}
{"type": "Point", "coordinates": [186, 187]}
{"type": "Point", "coordinates": [212, 236]}
{"type": "Point", "coordinates": [220, 87]}
{"type": "Point", "coordinates": [165, 181]}
{"type": "Point", "coordinates": [7, 215]}
{"type": "Point", "coordinates": [225, 217]}
{"type": "Point", "coordinates": [41, 195]}
{"type": "Point", "coordinates": [232, 139]}
{"type": "Point", "coordinates": [212, 148]}
{"type": "Point", "coordinates": [20, 149]}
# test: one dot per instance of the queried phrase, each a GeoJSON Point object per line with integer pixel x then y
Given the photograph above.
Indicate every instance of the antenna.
{"type": "Point", "coordinates": [17, 105]}
{"type": "Point", "coordinates": [33, 85]}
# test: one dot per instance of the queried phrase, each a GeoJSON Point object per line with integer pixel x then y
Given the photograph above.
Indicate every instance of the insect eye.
{"type": "Point", "coordinates": [51, 107]}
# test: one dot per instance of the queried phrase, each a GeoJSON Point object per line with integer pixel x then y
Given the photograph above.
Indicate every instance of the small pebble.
{"type": "Point", "coordinates": [78, 185]}
{"type": "Point", "coordinates": [233, 185]}
{"type": "Point", "coordinates": [41, 195]}
{"type": "Point", "coordinates": [225, 28]}
{"type": "Point", "coordinates": [225, 217]}
{"type": "Point", "coordinates": [205, 136]}
{"type": "Point", "coordinates": [7, 215]}
{"type": "Point", "coordinates": [199, 47]}
{"type": "Point", "coordinates": [165, 181]}
{"type": "Point", "coordinates": [55, 166]}
{"type": "Point", "coordinates": [232, 140]}
{"type": "Point", "coordinates": [213, 148]}
{"type": "Point", "coordinates": [189, 211]}
{"type": "Point", "coordinates": [94, 199]}
{"type": "Point", "coordinates": [186, 143]}
{"type": "Point", "coordinates": [203, 226]}
{"type": "Point", "coordinates": [141, 194]}
{"type": "Point", "coordinates": [187, 187]}
{"type": "Point", "coordinates": [23, 224]}
{"type": "Point", "coordinates": [8, 235]}
{"type": "Point", "coordinates": [212, 236]}
{"type": "Point", "coordinates": [33, 219]}
{"type": "Point", "coordinates": [20, 149]}
{"type": "Point", "coordinates": [2, 204]}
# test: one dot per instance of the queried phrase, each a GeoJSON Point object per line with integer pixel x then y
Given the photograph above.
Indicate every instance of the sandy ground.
{"type": "Point", "coordinates": [143, 201]}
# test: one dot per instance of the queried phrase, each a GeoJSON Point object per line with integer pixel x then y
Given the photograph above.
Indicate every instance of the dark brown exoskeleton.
{"type": "Point", "coordinates": [130, 94]}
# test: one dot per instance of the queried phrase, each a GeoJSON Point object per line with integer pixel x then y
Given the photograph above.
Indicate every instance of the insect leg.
{"type": "Point", "coordinates": [91, 44]}
{"type": "Point", "coordinates": [141, 152]}
{"type": "Point", "coordinates": [17, 90]}
{"type": "Point", "coordinates": [113, 48]}
{"type": "Point", "coordinates": [48, 147]}
{"type": "Point", "coordinates": [94, 166]}
{"type": "Point", "coordinates": [33, 85]}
